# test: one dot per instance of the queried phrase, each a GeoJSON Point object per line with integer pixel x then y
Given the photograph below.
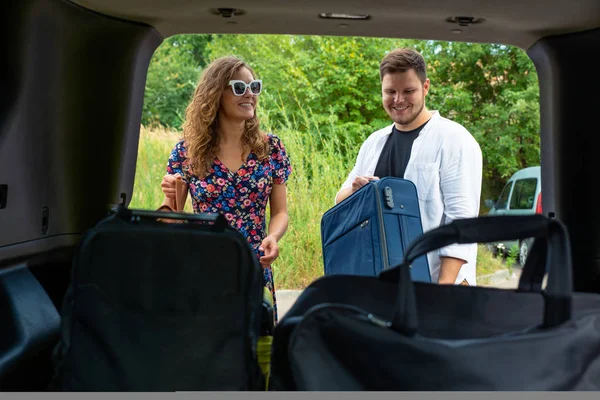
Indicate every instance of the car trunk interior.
{"type": "Point", "coordinates": [72, 93]}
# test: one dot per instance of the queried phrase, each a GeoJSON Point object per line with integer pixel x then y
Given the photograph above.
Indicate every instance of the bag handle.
{"type": "Point", "coordinates": [532, 273]}
{"type": "Point", "coordinates": [557, 307]}
{"type": "Point", "coordinates": [218, 221]}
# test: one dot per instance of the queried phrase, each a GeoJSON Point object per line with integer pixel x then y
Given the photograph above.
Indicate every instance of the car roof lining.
{"type": "Point", "coordinates": [512, 22]}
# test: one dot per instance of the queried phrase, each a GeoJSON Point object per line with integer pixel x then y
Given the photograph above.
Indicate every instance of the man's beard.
{"type": "Point", "coordinates": [411, 118]}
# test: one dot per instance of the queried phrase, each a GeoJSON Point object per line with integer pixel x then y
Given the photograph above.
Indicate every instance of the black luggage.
{"type": "Point", "coordinates": [389, 333]}
{"type": "Point", "coordinates": [157, 306]}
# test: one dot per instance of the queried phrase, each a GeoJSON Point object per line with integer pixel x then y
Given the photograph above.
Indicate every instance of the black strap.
{"type": "Point", "coordinates": [490, 229]}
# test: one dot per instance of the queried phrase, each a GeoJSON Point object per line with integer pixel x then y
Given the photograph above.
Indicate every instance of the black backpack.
{"type": "Point", "coordinates": [156, 306]}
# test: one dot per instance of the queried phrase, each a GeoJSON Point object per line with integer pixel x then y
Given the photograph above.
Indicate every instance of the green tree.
{"type": "Point", "coordinates": [333, 79]}
{"type": "Point", "coordinates": [172, 76]}
{"type": "Point", "coordinates": [493, 91]}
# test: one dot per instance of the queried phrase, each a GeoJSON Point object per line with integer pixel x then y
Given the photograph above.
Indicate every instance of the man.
{"type": "Point", "coordinates": [439, 156]}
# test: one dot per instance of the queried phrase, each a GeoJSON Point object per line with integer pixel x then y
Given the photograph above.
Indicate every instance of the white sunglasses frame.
{"type": "Point", "coordinates": [231, 82]}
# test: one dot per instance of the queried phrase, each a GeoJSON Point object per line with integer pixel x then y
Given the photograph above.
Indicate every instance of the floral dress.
{"type": "Point", "coordinates": [240, 196]}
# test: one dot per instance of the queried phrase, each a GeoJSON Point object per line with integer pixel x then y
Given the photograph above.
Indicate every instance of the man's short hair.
{"type": "Point", "coordinates": [402, 60]}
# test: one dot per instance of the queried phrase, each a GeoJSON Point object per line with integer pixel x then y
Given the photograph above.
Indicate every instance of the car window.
{"type": "Point", "coordinates": [328, 138]}
{"type": "Point", "coordinates": [502, 202]}
{"type": "Point", "coordinates": [523, 197]}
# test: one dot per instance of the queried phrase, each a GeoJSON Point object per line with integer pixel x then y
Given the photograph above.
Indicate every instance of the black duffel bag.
{"type": "Point", "coordinates": [389, 333]}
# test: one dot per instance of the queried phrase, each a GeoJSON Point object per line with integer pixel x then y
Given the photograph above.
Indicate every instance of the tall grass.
{"type": "Point", "coordinates": [319, 168]}
{"type": "Point", "coordinates": [153, 153]}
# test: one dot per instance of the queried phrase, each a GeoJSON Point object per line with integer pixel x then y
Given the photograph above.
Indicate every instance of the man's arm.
{"type": "Point", "coordinates": [460, 181]}
{"type": "Point", "coordinates": [449, 270]}
{"type": "Point", "coordinates": [342, 194]}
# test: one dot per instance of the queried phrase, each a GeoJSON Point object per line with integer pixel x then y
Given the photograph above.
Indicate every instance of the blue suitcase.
{"type": "Point", "coordinates": [367, 232]}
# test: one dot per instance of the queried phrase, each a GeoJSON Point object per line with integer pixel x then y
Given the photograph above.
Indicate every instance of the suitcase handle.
{"type": "Point", "coordinates": [218, 221]}
{"type": "Point", "coordinates": [389, 197]}
{"type": "Point", "coordinates": [557, 298]}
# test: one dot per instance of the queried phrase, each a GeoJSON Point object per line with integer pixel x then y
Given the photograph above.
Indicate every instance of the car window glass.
{"type": "Point", "coordinates": [523, 197]}
{"type": "Point", "coordinates": [502, 202]}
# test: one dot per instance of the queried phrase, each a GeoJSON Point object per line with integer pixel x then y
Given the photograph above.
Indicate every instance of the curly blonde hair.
{"type": "Point", "coordinates": [200, 129]}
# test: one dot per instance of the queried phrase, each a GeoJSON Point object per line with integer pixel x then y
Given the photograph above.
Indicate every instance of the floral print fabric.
{"type": "Point", "coordinates": [241, 196]}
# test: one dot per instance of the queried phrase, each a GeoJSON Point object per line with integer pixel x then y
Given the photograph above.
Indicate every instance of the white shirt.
{"type": "Point", "coordinates": [446, 167]}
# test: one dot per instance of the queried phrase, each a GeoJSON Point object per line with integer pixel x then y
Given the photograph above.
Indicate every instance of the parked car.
{"type": "Point", "coordinates": [521, 195]}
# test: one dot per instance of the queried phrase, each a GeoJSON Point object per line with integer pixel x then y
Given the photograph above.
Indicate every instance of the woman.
{"type": "Point", "coordinates": [229, 164]}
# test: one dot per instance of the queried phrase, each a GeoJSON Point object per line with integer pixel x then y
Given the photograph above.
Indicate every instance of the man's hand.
{"type": "Point", "coordinates": [168, 185]}
{"type": "Point", "coordinates": [358, 182]}
{"type": "Point", "coordinates": [271, 249]}
{"type": "Point", "coordinates": [361, 181]}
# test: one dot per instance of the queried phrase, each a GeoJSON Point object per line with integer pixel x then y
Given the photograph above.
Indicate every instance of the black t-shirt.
{"type": "Point", "coordinates": [396, 153]}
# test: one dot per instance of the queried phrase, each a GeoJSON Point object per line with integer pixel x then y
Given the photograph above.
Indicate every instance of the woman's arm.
{"type": "Point", "coordinates": [277, 225]}
{"type": "Point", "coordinates": [279, 214]}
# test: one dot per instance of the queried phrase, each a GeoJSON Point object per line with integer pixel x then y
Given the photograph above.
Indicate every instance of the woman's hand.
{"type": "Point", "coordinates": [271, 249]}
{"type": "Point", "coordinates": [168, 185]}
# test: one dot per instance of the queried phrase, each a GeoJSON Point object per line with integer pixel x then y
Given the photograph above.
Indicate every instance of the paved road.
{"type": "Point", "coordinates": [511, 283]}
{"type": "Point", "coordinates": [286, 298]}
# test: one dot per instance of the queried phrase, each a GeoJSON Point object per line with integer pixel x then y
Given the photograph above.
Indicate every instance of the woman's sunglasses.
{"type": "Point", "coordinates": [239, 87]}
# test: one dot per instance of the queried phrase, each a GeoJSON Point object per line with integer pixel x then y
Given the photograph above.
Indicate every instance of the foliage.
{"type": "Point", "coordinates": [487, 264]}
{"type": "Point", "coordinates": [512, 257]}
{"type": "Point", "coordinates": [172, 76]}
{"type": "Point", "coordinates": [336, 79]}
{"type": "Point", "coordinates": [153, 152]}
{"type": "Point", "coordinates": [493, 91]}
